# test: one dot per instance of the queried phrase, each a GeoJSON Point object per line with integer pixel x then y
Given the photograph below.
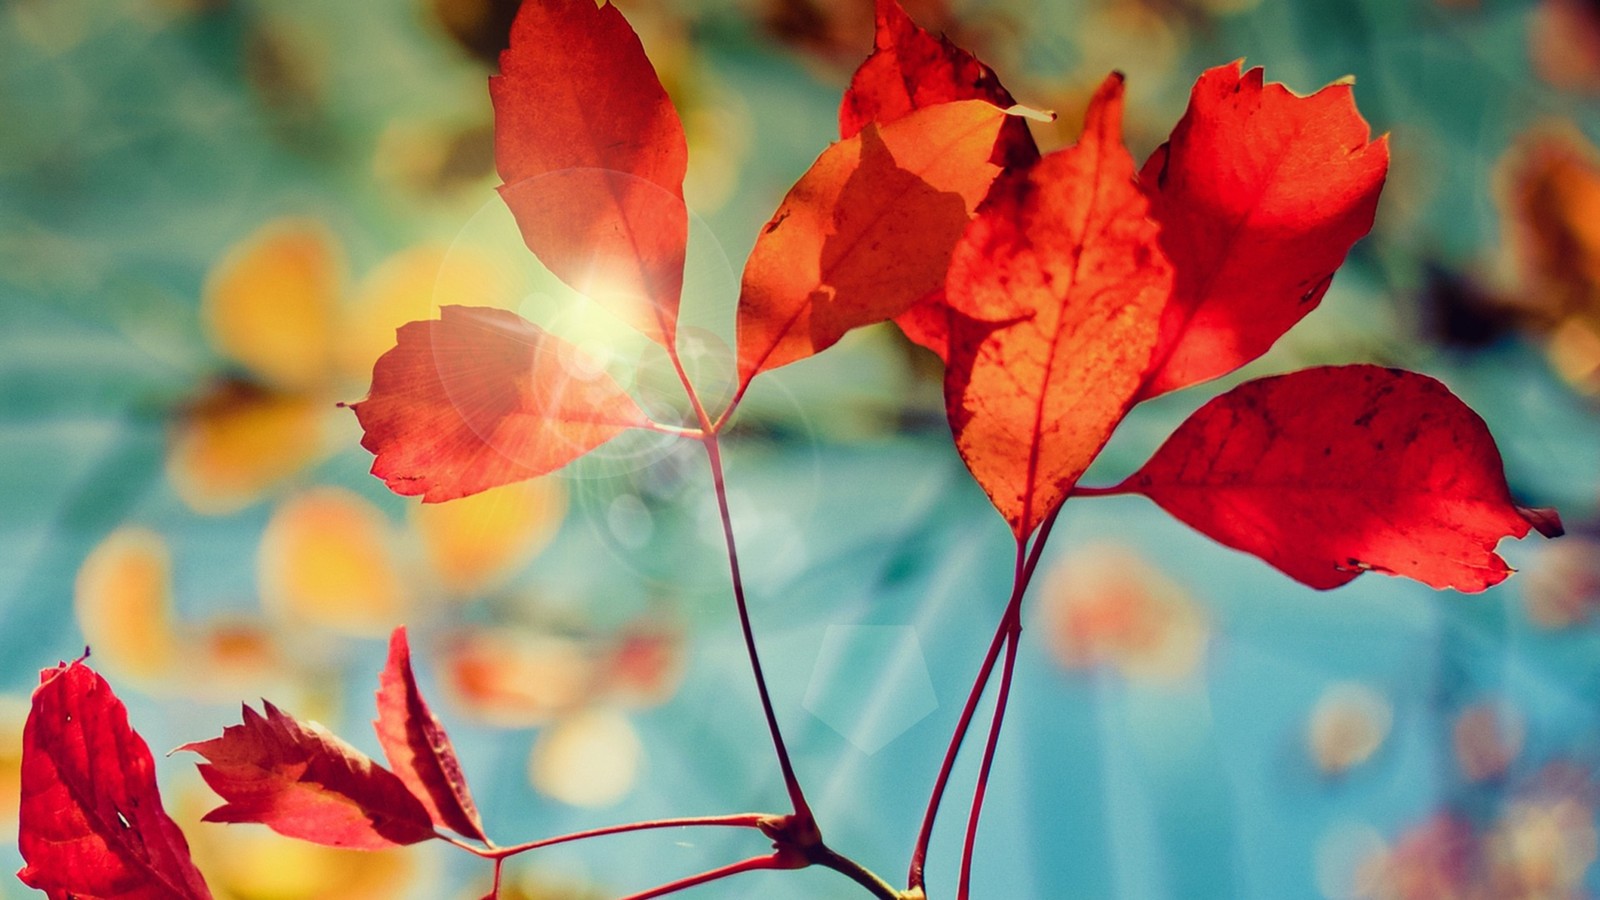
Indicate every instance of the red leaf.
{"type": "Point", "coordinates": [1260, 194]}
{"type": "Point", "coordinates": [1067, 252]}
{"type": "Point", "coordinates": [91, 824]}
{"type": "Point", "coordinates": [1328, 472]}
{"type": "Point", "coordinates": [481, 397]}
{"type": "Point", "coordinates": [909, 69]}
{"type": "Point", "coordinates": [303, 782]}
{"type": "Point", "coordinates": [593, 157]}
{"type": "Point", "coordinates": [865, 233]}
{"type": "Point", "coordinates": [417, 747]}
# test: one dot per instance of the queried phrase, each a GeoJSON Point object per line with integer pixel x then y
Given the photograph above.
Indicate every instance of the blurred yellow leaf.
{"type": "Point", "coordinates": [475, 543]}
{"type": "Point", "coordinates": [123, 600]}
{"type": "Point", "coordinates": [13, 714]}
{"type": "Point", "coordinates": [412, 285]}
{"type": "Point", "coordinates": [1349, 723]}
{"type": "Point", "coordinates": [271, 303]}
{"type": "Point", "coordinates": [327, 558]}
{"type": "Point", "coordinates": [237, 440]}
{"type": "Point", "coordinates": [243, 862]}
{"type": "Point", "coordinates": [589, 759]}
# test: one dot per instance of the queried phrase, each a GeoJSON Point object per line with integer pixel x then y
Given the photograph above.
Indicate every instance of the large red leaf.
{"type": "Point", "coordinates": [911, 68]}
{"type": "Point", "coordinates": [301, 781]}
{"type": "Point", "coordinates": [593, 156]}
{"type": "Point", "coordinates": [1066, 252]}
{"type": "Point", "coordinates": [1328, 472]}
{"type": "Point", "coordinates": [417, 747]}
{"type": "Point", "coordinates": [91, 824]}
{"type": "Point", "coordinates": [1260, 194]}
{"type": "Point", "coordinates": [866, 232]}
{"type": "Point", "coordinates": [481, 397]}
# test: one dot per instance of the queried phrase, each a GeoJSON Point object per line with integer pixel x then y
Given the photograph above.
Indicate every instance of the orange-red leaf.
{"type": "Point", "coordinates": [481, 397]}
{"type": "Point", "coordinates": [91, 823]}
{"type": "Point", "coordinates": [303, 782]}
{"type": "Point", "coordinates": [417, 747]}
{"type": "Point", "coordinates": [911, 68]}
{"type": "Point", "coordinates": [1066, 252]}
{"type": "Point", "coordinates": [1260, 194]}
{"type": "Point", "coordinates": [1328, 472]}
{"type": "Point", "coordinates": [866, 232]}
{"type": "Point", "coordinates": [593, 156]}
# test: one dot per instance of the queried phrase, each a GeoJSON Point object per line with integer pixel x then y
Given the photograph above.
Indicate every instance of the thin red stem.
{"type": "Point", "coordinates": [1112, 491]}
{"type": "Point", "coordinates": [792, 783]}
{"type": "Point", "coordinates": [494, 889]}
{"type": "Point", "coordinates": [739, 820]}
{"type": "Point", "coordinates": [1022, 576]}
{"type": "Point", "coordinates": [919, 853]}
{"type": "Point", "coordinates": [1006, 670]}
{"type": "Point", "coordinates": [754, 863]}
{"type": "Point", "coordinates": [733, 404]}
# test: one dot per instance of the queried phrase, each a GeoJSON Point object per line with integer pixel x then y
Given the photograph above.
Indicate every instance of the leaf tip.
{"type": "Point", "coordinates": [1544, 520]}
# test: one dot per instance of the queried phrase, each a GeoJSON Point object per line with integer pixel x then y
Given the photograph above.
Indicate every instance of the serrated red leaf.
{"type": "Point", "coordinates": [418, 750]}
{"type": "Point", "coordinates": [481, 397]}
{"type": "Point", "coordinates": [1260, 194]}
{"type": "Point", "coordinates": [911, 68]}
{"type": "Point", "coordinates": [1066, 253]}
{"type": "Point", "coordinates": [866, 232]}
{"type": "Point", "coordinates": [91, 824]}
{"type": "Point", "coordinates": [300, 780]}
{"type": "Point", "coordinates": [593, 156]}
{"type": "Point", "coordinates": [1329, 472]}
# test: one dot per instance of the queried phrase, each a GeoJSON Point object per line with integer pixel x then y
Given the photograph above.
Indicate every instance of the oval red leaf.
{"type": "Point", "coordinates": [1260, 194]}
{"type": "Point", "coordinates": [417, 747]}
{"type": "Point", "coordinates": [91, 822]}
{"type": "Point", "coordinates": [301, 781]}
{"type": "Point", "coordinates": [481, 397]}
{"type": "Point", "coordinates": [593, 156]}
{"type": "Point", "coordinates": [1329, 472]}
{"type": "Point", "coordinates": [1067, 254]}
{"type": "Point", "coordinates": [866, 232]}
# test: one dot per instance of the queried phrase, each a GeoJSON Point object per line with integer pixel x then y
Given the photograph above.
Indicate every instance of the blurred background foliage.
{"type": "Point", "coordinates": [214, 212]}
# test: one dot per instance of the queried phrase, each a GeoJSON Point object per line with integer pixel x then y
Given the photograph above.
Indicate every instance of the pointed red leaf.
{"type": "Point", "coordinates": [91, 824]}
{"type": "Point", "coordinates": [481, 397]}
{"type": "Point", "coordinates": [1067, 253]}
{"type": "Point", "coordinates": [1328, 472]}
{"type": "Point", "coordinates": [301, 781]}
{"type": "Point", "coordinates": [911, 68]}
{"type": "Point", "coordinates": [417, 747]}
{"type": "Point", "coordinates": [593, 157]}
{"type": "Point", "coordinates": [865, 233]}
{"type": "Point", "coordinates": [1260, 194]}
